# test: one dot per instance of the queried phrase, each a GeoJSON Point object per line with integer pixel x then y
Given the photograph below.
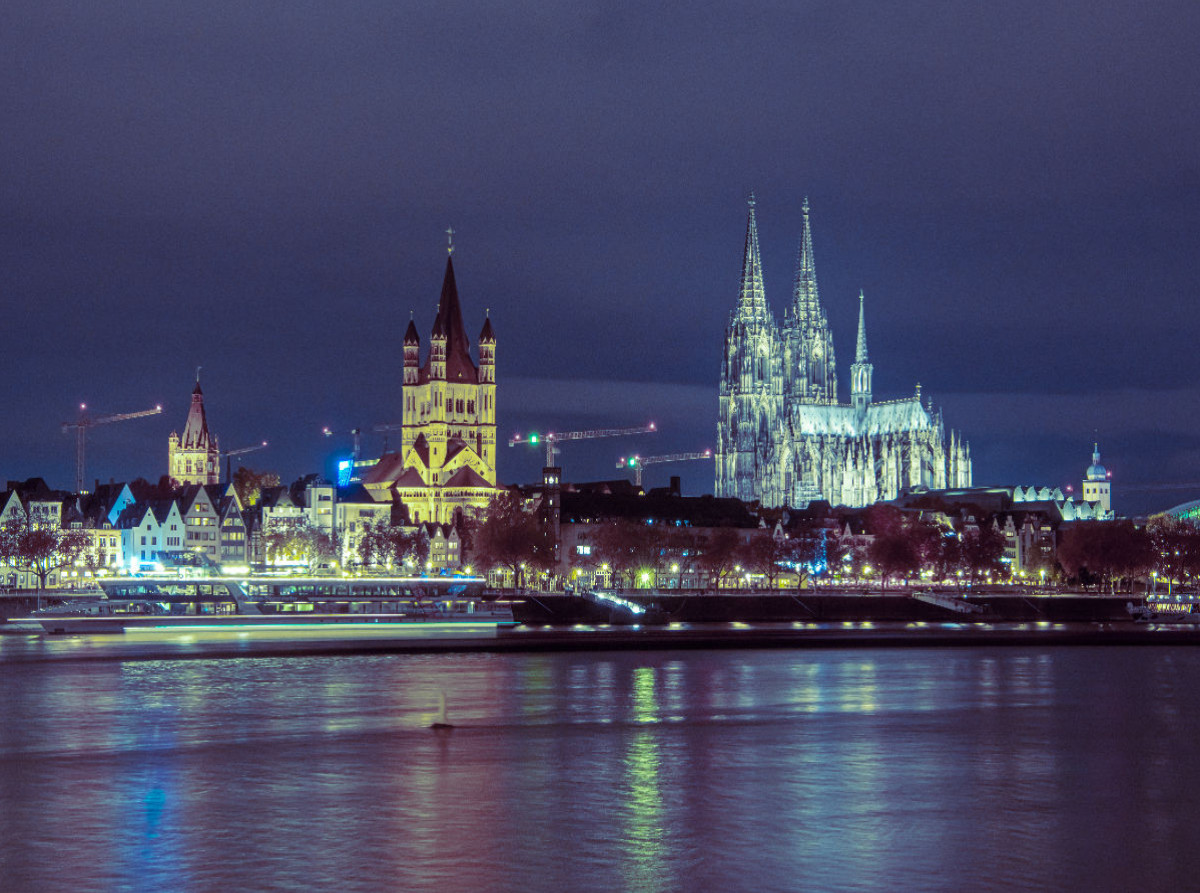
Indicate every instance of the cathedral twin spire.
{"type": "Point", "coordinates": [808, 345]}
{"type": "Point", "coordinates": [806, 303]}
{"type": "Point", "coordinates": [752, 303]}
{"type": "Point", "coordinates": [783, 437]}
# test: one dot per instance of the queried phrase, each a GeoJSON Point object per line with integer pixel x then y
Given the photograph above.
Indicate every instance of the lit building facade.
{"type": "Point", "coordinates": [446, 465]}
{"type": "Point", "coordinates": [193, 457]}
{"type": "Point", "coordinates": [782, 436]}
{"type": "Point", "coordinates": [1097, 488]}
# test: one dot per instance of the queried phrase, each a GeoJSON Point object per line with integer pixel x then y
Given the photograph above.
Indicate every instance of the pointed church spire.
{"type": "Point", "coordinates": [806, 301]}
{"type": "Point", "coordinates": [861, 371]}
{"type": "Point", "coordinates": [448, 325]}
{"type": "Point", "coordinates": [860, 355]}
{"type": "Point", "coordinates": [753, 299]}
{"type": "Point", "coordinates": [810, 362]}
{"type": "Point", "coordinates": [195, 429]}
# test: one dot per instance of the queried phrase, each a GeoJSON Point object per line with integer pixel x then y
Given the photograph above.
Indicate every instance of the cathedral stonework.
{"type": "Point", "coordinates": [782, 436]}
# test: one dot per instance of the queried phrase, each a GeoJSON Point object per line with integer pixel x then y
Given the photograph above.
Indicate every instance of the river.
{"type": "Point", "coordinates": [1070, 768]}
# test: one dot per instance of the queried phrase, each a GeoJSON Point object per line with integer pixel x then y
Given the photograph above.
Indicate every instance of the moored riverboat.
{"type": "Point", "coordinates": [126, 605]}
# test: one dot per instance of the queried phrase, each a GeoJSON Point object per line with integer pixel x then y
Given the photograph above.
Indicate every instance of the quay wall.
{"type": "Point", "coordinates": [663, 607]}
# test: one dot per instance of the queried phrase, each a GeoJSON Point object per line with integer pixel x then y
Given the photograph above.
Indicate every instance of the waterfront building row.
{"type": "Point", "coordinates": [138, 528]}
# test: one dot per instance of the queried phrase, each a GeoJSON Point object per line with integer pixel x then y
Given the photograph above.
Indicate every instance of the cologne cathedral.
{"type": "Point", "coordinates": [783, 438]}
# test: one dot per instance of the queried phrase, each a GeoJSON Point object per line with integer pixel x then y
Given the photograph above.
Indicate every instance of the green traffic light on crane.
{"type": "Point", "coordinates": [533, 438]}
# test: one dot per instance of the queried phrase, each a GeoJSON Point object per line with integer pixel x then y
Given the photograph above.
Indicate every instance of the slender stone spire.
{"type": "Point", "coordinates": [860, 355]}
{"type": "Point", "coordinates": [861, 371]}
{"type": "Point", "coordinates": [195, 429]}
{"type": "Point", "coordinates": [448, 325]}
{"type": "Point", "coordinates": [806, 301]}
{"type": "Point", "coordinates": [811, 368]}
{"type": "Point", "coordinates": [753, 298]}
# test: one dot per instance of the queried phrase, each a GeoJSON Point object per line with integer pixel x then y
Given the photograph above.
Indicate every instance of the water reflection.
{"type": "Point", "coordinates": [875, 770]}
{"type": "Point", "coordinates": [644, 831]}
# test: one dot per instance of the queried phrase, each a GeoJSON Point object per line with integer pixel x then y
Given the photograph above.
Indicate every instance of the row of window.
{"type": "Point", "coordinates": [456, 405]}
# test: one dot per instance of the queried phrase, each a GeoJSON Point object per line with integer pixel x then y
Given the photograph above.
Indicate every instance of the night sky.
{"type": "Point", "coordinates": [262, 189]}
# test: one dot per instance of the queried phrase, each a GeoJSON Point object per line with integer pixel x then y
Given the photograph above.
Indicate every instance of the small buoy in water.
{"type": "Point", "coordinates": [440, 724]}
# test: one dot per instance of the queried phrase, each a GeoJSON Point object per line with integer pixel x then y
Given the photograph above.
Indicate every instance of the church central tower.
{"type": "Point", "coordinates": [193, 457]}
{"type": "Point", "coordinates": [448, 434]}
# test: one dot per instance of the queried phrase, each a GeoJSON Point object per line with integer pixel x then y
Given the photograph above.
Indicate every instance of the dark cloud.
{"type": "Point", "coordinates": [262, 188]}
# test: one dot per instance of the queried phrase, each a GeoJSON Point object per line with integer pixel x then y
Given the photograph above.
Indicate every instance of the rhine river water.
{"type": "Point", "coordinates": [1070, 768]}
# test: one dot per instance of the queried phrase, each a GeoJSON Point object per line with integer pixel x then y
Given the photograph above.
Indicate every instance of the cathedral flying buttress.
{"type": "Point", "coordinates": [783, 438]}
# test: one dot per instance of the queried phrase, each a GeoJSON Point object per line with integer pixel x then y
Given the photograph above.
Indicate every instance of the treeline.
{"type": "Point", "coordinates": [897, 546]}
{"type": "Point", "coordinates": [1117, 553]}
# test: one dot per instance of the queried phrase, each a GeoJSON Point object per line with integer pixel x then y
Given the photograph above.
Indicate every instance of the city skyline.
{"type": "Point", "coordinates": [1013, 190]}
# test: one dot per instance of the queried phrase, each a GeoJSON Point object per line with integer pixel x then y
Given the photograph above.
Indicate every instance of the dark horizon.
{"type": "Point", "coordinates": [264, 193]}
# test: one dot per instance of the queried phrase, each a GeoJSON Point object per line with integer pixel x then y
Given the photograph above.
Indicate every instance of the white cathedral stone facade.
{"type": "Point", "coordinates": [782, 436]}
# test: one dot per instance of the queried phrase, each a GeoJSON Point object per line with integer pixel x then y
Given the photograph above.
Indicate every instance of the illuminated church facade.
{"type": "Point", "coordinates": [783, 438]}
{"type": "Point", "coordinates": [193, 457]}
{"type": "Point", "coordinates": [446, 465]}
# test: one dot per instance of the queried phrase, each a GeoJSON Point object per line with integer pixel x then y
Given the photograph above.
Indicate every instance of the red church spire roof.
{"type": "Point", "coordinates": [195, 430]}
{"type": "Point", "coordinates": [449, 325]}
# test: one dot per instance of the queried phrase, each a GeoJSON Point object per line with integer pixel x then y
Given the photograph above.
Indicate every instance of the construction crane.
{"type": "Point", "coordinates": [637, 463]}
{"type": "Point", "coordinates": [355, 432]}
{"type": "Point", "coordinates": [86, 421]}
{"type": "Point", "coordinates": [552, 439]}
{"type": "Point", "coordinates": [384, 429]}
{"type": "Point", "coordinates": [229, 456]}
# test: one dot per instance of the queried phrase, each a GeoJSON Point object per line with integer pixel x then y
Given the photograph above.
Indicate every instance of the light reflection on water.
{"type": "Point", "coordinates": [1071, 768]}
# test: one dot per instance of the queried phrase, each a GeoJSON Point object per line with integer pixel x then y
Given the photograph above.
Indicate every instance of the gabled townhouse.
{"type": "Point", "coordinates": [43, 506]}
{"type": "Point", "coordinates": [171, 524]}
{"type": "Point", "coordinates": [231, 525]}
{"type": "Point", "coordinates": [106, 502]}
{"type": "Point", "coordinates": [445, 548]}
{"type": "Point", "coordinates": [202, 531]}
{"type": "Point", "coordinates": [11, 507]}
{"type": "Point", "coordinates": [31, 502]}
{"type": "Point", "coordinates": [149, 528]}
{"type": "Point", "coordinates": [103, 558]}
{"type": "Point", "coordinates": [140, 533]}
{"type": "Point", "coordinates": [276, 510]}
